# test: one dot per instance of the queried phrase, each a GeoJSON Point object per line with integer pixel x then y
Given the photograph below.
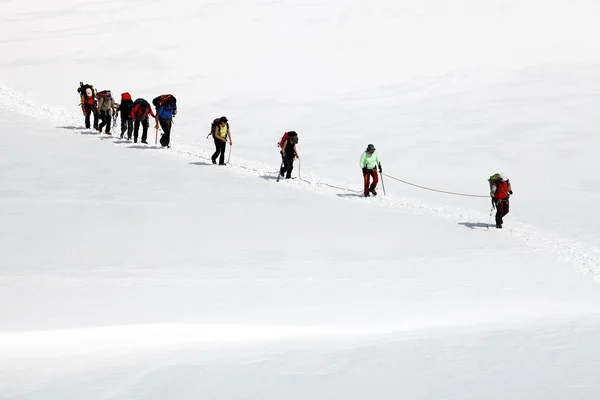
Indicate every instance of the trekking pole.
{"type": "Point", "coordinates": [382, 184]}
{"type": "Point", "coordinates": [490, 220]}
{"type": "Point", "coordinates": [279, 171]}
{"type": "Point", "coordinates": [229, 156]}
{"type": "Point", "coordinates": [156, 137]}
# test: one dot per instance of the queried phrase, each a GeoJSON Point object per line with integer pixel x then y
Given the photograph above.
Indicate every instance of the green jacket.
{"type": "Point", "coordinates": [369, 161]}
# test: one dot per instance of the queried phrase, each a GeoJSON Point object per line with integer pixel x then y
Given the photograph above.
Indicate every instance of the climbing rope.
{"type": "Point", "coordinates": [436, 190]}
{"type": "Point", "coordinates": [322, 183]}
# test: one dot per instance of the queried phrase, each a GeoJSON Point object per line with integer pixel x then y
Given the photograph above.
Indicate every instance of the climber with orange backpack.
{"type": "Point", "coordinates": [88, 104]}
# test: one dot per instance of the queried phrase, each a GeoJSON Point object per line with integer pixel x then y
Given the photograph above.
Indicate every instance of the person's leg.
{"type": "Point", "coordinates": [217, 151]}
{"type": "Point", "coordinates": [102, 121]}
{"type": "Point", "coordinates": [145, 126]}
{"type": "Point", "coordinates": [367, 181]}
{"type": "Point", "coordinates": [222, 155]}
{"type": "Point", "coordinates": [165, 124]}
{"type": "Point", "coordinates": [129, 127]}
{"type": "Point", "coordinates": [499, 214]}
{"type": "Point", "coordinates": [123, 125]}
{"type": "Point", "coordinates": [108, 117]}
{"type": "Point", "coordinates": [136, 130]}
{"type": "Point", "coordinates": [94, 110]}
{"type": "Point", "coordinates": [290, 167]}
{"type": "Point", "coordinates": [375, 181]}
{"type": "Point", "coordinates": [88, 114]}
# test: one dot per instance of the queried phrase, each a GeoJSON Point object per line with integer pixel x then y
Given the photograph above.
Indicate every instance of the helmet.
{"type": "Point", "coordinates": [370, 148]}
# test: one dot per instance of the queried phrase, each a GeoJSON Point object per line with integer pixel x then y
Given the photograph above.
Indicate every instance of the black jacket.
{"type": "Point", "coordinates": [125, 108]}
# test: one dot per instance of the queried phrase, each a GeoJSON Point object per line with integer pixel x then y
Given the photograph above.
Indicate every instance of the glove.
{"type": "Point", "coordinates": [510, 192]}
{"type": "Point", "coordinates": [380, 170]}
{"type": "Point", "coordinates": [366, 170]}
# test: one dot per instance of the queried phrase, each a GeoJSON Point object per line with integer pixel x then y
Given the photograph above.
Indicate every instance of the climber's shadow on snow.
{"type": "Point", "coordinates": [87, 132]}
{"type": "Point", "coordinates": [73, 128]}
{"type": "Point", "coordinates": [200, 163]}
{"type": "Point", "coordinates": [475, 225]}
{"type": "Point", "coordinates": [269, 177]}
{"type": "Point", "coordinates": [344, 195]}
{"type": "Point", "coordinates": [142, 147]}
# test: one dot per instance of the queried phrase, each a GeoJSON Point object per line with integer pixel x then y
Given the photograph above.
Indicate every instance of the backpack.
{"type": "Point", "coordinates": [125, 96]}
{"type": "Point", "coordinates": [291, 135]}
{"type": "Point", "coordinates": [88, 94]}
{"type": "Point", "coordinates": [140, 109]}
{"type": "Point", "coordinates": [165, 99]}
{"type": "Point", "coordinates": [104, 93]}
{"type": "Point", "coordinates": [216, 122]}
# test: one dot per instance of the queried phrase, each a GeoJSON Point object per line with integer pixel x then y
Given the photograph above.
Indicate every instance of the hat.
{"type": "Point", "coordinates": [223, 119]}
{"type": "Point", "coordinates": [502, 176]}
{"type": "Point", "coordinates": [370, 148]}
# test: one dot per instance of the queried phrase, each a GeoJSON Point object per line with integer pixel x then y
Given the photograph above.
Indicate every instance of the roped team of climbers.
{"type": "Point", "coordinates": [135, 113]}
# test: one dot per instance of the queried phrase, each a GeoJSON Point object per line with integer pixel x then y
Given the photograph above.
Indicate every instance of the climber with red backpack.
{"type": "Point", "coordinates": [125, 108]}
{"type": "Point", "coordinates": [500, 191]}
{"type": "Point", "coordinates": [88, 104]}
{"type": "Point", "coordinates": [139, 114]}
{"type": "Point", "coordinates": [288, 153]}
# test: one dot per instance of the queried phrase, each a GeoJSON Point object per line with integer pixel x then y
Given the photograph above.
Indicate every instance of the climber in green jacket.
{"type": "Point", "coordinates": [369, 161]}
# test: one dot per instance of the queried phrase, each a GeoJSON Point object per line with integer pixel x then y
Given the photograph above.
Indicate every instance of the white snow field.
{"type": "Point", "coordinates": [132, 272]}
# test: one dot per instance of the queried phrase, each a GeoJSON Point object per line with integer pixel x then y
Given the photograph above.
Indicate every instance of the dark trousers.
{"type": "Point", "coordinates": [165, 124]}
{"type": "Point", "coordinates": [220, 152]}
{"type": "Point", "coordinates": [288, 166]}
{"type": "Point", "coordinates": [88, 110]}
{"type": "Point", "coordinates": [106, 120]}
{"type": "Point", "coordinates": [367, 174]}
{"type": "Point", "coordinates": [126, 125]}
{"type": "Point", "coordinates": [502, 208]}
{"type": "Point", "coordinates": [136, 129]}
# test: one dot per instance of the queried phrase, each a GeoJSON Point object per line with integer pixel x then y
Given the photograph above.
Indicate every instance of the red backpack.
{"type": "Point", "coordinates": [125, 96]}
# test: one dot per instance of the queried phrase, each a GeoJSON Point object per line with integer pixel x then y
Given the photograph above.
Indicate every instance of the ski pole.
{"type": "Point", "coordinates": [156, 137]}
{"type": "Point", "coordinates": [229, 156]}
{"type": "Point", "coordinates": [382, 184]}
{"type": "Point", "coordinates": [490, 220]}
{"type": "Point", "coordinates": [279, 171]}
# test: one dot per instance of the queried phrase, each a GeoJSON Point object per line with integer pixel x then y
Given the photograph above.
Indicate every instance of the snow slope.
{"type": "Point", "coordinates": [135, 272]}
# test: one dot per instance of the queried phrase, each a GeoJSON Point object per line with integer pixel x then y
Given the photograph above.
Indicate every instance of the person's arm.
{"type": "Point", "coordinates": [155, 118]}
{"type": "Point", "coordinates": [283, 147]}
{"type": "Point", "coordinates": [363, 160]}
{"type": "Point", "coordinates": [296, 152]}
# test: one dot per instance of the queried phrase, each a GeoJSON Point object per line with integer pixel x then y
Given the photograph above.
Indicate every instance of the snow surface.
{"type": "Point", "coordinates": [132, 272]}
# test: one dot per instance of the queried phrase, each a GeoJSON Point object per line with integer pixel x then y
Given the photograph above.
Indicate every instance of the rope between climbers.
{"type": "Point", "coordinates": [436, 190]}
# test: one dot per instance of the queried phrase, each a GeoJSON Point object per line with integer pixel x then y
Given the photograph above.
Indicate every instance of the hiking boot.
{"type": "Point", "coordinates": [366, 194]}
{"type": "Point", "coordinates": [499, 226]}
{"type": "Point", "coordinates": [121, 137]}
{"type": "Point", "coordinates": [373, 192]}
{"type": "Point", "coordinates": [214, 161]}
{"type": "Point", "coordinates": [134, 140]}
{"type": "Point", "coordinates": [222, 163]}
{"type": "Point", "coordinates": [143, 141]}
